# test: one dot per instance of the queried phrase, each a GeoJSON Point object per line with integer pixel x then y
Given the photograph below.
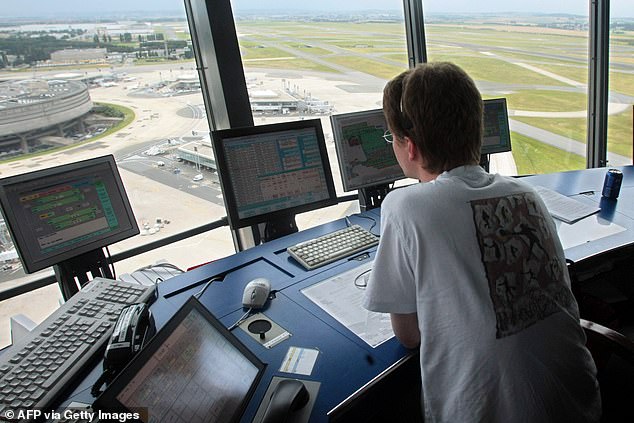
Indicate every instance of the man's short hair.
{"type": "Point", "coordinates": [439, 107]}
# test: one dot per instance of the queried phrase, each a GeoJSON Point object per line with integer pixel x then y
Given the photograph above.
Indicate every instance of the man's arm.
{"type": "Point", "coordinates": [405, 328]}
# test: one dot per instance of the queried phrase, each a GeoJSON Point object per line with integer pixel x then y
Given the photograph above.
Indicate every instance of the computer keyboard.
{"type": "Point", "coordinates": [37, 369]}
{"type": "Point", "coordinates": [333, 246]}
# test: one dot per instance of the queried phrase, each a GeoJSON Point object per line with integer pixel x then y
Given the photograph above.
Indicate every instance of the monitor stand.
{"type": "Point", "coordinates": [279, 227]}
{"type": "Point", "coordinates": [372, 197]}
{"type": "Point", "coordinates": [484, 161]}
{"type": "Point", "coordinates": [72, 274]}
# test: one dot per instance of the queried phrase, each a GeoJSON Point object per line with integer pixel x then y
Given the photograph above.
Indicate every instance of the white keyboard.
{"type": "Point", "coordinates": [333, 246]}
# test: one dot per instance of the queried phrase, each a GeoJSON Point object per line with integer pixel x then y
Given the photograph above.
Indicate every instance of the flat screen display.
{"type": "Point", "coordinates": [59, 213]}
{"type": "Point", "coordinates": [193, 370]}
{"type": "Point", "coordinates": [273, 171]}
{"type": "Point", "coordinates": [496, 134]}
{"type": "Point", "coordinates": [365, 159]}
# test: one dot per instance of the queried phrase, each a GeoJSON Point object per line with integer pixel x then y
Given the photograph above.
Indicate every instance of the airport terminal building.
{"type": "Point", "coordinates": [33, 108]}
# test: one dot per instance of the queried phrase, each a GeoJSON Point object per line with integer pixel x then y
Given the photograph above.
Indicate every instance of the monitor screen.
{"type": "Point", "coordinates": [496, 136]}
{"type": "Point", "coordinates": [365, 159]}
{"type": "Point", "coordinates": [59, 213]}
{"type": "Point", "coordinates": [268, 172]}
{"type": "Point", "coordinates": [192, 370]}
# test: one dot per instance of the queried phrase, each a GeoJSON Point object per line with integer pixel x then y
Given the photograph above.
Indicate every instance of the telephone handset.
{"type": "Point", "coordinates": [287, 398]}
{"type": "Point", "coordinates": [135, 326]}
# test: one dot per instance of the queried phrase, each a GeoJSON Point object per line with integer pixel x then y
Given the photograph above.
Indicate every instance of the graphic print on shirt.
{"type": "Point", "coordinates": [526, 280]}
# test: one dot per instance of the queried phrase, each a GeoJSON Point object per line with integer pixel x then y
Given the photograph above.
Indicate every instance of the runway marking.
{"type": "Point", "coordinates": [268, 59]}
{"type": "Point", "coordinates": [550, 75]}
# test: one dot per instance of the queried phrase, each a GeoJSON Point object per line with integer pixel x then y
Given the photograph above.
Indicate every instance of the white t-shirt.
{"type": "Point", "coordinates": [478, 258]}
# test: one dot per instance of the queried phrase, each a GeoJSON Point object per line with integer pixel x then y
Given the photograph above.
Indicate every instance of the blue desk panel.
{"type": "Point", "coordinates": [342, 365]}
{"type": "Point", "coordinates": [586, 186]}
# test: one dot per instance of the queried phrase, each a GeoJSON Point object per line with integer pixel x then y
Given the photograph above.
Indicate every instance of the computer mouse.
{"type": "Point", "coordinates": [256, 293]}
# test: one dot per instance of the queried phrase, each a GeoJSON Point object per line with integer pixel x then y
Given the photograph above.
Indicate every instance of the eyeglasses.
{"type": "Point", "coordinates": [388, 137]}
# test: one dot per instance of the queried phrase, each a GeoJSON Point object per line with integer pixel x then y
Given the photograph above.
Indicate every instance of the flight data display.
{"type": "Point", "coordinates": [69, 213]}
{"type": "Point", "coordinates": [496, 137]}
{"type": "Point", "coordinates": [275, 171]}
{"type": "Point", "coordinates": [195, 375]}
{"type": "Point", "coordinates": [365, 158]}
{"type": "Point", "coordinates": [59, 213]}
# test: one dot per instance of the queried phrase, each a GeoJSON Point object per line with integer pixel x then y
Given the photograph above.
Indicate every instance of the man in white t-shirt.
{"type": "Point", "coordinates": [471, 270]}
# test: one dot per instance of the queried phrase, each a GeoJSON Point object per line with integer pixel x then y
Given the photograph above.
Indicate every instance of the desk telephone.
{"type": "Point", "coordinates": [287, 399]}
{"type": "Point", "coordinates": [135, 326]}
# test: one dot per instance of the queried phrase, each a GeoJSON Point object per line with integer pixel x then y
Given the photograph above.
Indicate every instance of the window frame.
{"type": "Point", "coordinates": [598, 91]}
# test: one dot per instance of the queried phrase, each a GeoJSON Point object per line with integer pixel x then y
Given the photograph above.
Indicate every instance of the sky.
{"type": "Point", "coordinates": [620, 8]}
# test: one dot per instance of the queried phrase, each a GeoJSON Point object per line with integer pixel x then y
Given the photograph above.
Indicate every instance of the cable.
{"type": "Point", "coordinates": [151, 266]}
{"type": "Point", "coordinates": [110, 263]}
{"type": "Point", "coordinates": [106, 377]}
{"type": "Point", "coordinates": [209, 282]}
{"type": "Point", "coordinates": [240, 320]}
{"type": "Point", "coordinates": [364, 284]}
{"type": "Point", "coordinates": [369, 218]}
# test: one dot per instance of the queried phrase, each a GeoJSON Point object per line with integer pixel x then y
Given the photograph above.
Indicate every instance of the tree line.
{"type": "Point", "coordinates": [30, 50]}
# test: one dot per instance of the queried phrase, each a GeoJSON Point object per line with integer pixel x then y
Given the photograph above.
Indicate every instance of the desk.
{"type": "Point", "coordinates": [345, 362]}
{"type": "Point", "coordinates": [601, 269]}
{"type": "Point", "coordinates": [586, 186]}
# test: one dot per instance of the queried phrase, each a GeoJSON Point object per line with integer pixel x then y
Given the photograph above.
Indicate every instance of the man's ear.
{"type": "Point", "coordinates": [412, 150]}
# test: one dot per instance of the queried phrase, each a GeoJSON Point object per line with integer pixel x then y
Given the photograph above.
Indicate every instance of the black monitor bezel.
{"type": "Point", "coordinates": [32, 264]}
{"type": "Point", "coordinates": [108, 401]}
{"type": "Point", "coordinates": [347, 186]}
{"type": "Point", "coordinates": [221, 137]}
{"type": "Point", "coordinates": [497, 148]}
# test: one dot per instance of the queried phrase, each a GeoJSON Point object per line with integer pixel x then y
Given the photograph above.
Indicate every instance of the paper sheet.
{"type": "Point", "coordinates": [563, 207]}
{"type": "Point", "coordinates": [341, 299]}
{"type": "Point", "coordinates": [585, 230]}
{"type": "Point", "coordinates": [299, 360]}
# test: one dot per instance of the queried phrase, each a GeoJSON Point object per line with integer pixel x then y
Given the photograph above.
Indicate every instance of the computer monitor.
{"type": "Point", "coordinates": [192, 370]}
{"type": "Point", "coordinates": [60, 213]}
{"type": "Point", "coordinates": [496, 137]}
{"type": "Point", "coordinates": [365, 159]}
{"type": "Point", "coordinates": [270, 173]}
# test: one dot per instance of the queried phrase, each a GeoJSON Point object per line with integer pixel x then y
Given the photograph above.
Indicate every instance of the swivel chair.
{"type": "Point", "coordinates": [613, 354]}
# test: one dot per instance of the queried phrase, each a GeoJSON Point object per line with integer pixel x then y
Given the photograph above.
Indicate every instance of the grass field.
{"type": "Point", "coordinates": [547, 101]}
{"type": "Point", "coordinates": [532, 157]}
{"type": "Point", "coordinates": [369, 66]}
{"type": "Point", "coordinates": [619, 130]}
{"type": "Point", "coordinates": [536, 69]}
